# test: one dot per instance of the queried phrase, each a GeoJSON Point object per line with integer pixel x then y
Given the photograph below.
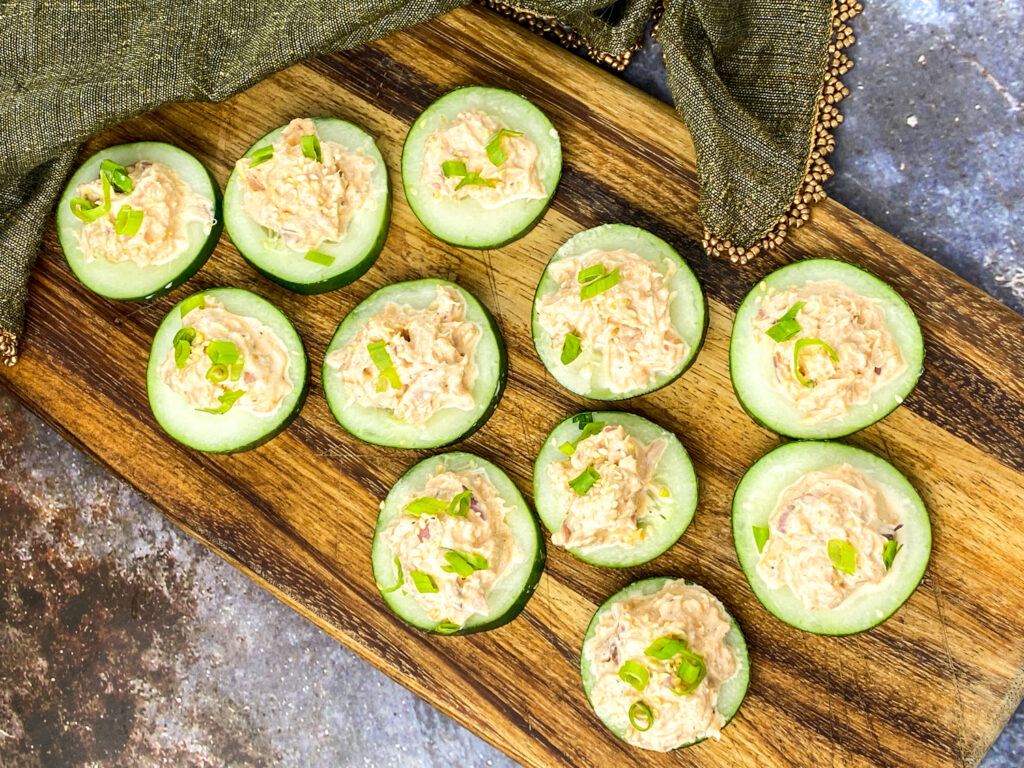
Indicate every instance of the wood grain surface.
{"type": "Point", "coordinates": [930, 687]}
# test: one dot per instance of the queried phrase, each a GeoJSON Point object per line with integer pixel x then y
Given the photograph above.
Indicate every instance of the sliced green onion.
{"type": "Point", "coordinates": [261, 155]}
{"type": "Point", "coordinates": [118, 176]}
{"type": "Point", "coordinates": [423, 582]}
{"type": "Point", "coordinates": [128, 220]}
{"type": "Point", "coordinates": [235, 369]}
{"type": "Point", "coordinates": [474, 179]}
{"type": "Point", "coordinates": [447, 627]}
{"type": "Point", "coordinates": [798, 348]}
{"type": "Point", "coordinates": [192, 302]}
{"type": "Point", "coordinates": [567, 448]}
{"type": "Point", "coordinates": [494, 151]}
{"type": "Point", "coordinates": [85, 210]}
{"type": "Point", "coordinates": [592, 272]}
{"type": "Point", "coordinates": [217, 373]}
{"type": "Point", "coordinates": [459, 505]}
{"type": "Point", "coordinates": [452, 168]}
{"type": "Point", "coordinates": [787, 327]}
{"type": "Point", "coordinates": [323, 259]}
{"type": "Point", "coordinates": [889, 553]}
{"type": "Point", "coordinates": [582, 419]}
{"type": "Point", "coordinates": [570, 348]}
{"type": "Point", "coordinates": [379, 355]}
{"type": "Point", "coordinates": [843, 556]}
{"type": "Point", "coordinates": [425, 505]}
{"type": "Point", "coordinates": [589, 429]}
{"type": "Point", "coordinates": [761, 534]}
{"type": "Point", "coordinates": [665, 647]}
{"type": "Point", "coordinates": [182, 351]}
{"type": "Point", "coordinates": [185, 334]}
{"type": "Point", "coordinates": [691, 671]}
{"type": "Point", "coordinates": [105, 181]}
{"type": "Point", "coordinates": [634, 673]}
{"type": "Point", "coordinates": [222, 352]}
{"type": "Point", "coordinates": [311, 147]}
{"type": "Point", "coordinates": [401, 580]}
{"type": "Point", "coordinates": [584, 481]}
{"type": "Point", "coordinates": [227, 400]}
{"type": "Point", "coordinates": [465, 564]}
{"type": "Point", "coordinates": [602, 284]}
{"type": "Point", "coordinates": [640, 710]}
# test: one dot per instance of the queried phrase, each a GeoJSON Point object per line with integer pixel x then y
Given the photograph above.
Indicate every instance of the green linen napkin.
{"type": "Point", "coordinates": [755, 81]}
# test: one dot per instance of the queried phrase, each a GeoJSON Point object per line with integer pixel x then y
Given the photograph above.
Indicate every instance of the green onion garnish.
{"type": "Point", "coordinates": [567, 448]}
{"type": "Point", "coordinates": [128, 220]}
{"type": "Point", "coordinates": [323, 259]}
{"type": "Point", "coordinates": [589, 429]}
{"type": "Point", "coordinates": [447, 628]}
{"type": "Point", "coordinates": [311, 147]}
{"type": "Point", "coordinates": [401, 580]}
{"type": "Point", "coordinates": [222, 352]}
{"type": "Point", "coordinates": [217, 373]}
{"type": "Point", "coordinates": [665, 647]}
{"type": "Point", "coordinates": [426, 505]}
{"type": "Point", "coordinates": [192, 302]}
{"type": "Point", "coordinates": [602, 284]}
{"type": "Point", "coordinates": [382, 360]}
{"type": "Point", "coordinates": [227, 399]}
{"type": "Point", "coordinates": [787, 327]}
{"type": "Point", "coordinates": [761, 533]}
{"type": "Point", "coordinates": [185, 334]}
{"type": "Point", "coordinates": [118, 176]}
{"type": "Point", "coordinates": [423, 582]}
{"type": "Point", "coordinates": [798, 348]}
{"type": "Point", "coordinates": [592, 272]}
{"type": "Point", "coordinates": [494, 151]}
{"type": "Point", "coordinates": [474, 179]}
{"type": "Point", "coordinates": [85, 210]}
{"type": "Point", "coordinates": [183, 346]}
{"type": "Point", "coordinates": [570, 348]}
{"type": "Point", "coordinates": [643, 712]}
{"type": "Point", "coordinates": [691, 671]}
{"type": "Point", "coordinates": [235, 369]}
{"type": "Point", "coordinates": [584, 481]}
{"type": "Point", "coordinates": [452, 168]}
{"type": "Point", "coordinates": [582, 419]}
{"type": "Point", "coordinates": [635, 674]}
{"type": "Point", "coordinates": [843, 555]}
{"type": "Point", "coordinates": [465, 564]}
{"type": "Point", "coordinates": [459, 505]}
{"type": "Point", "coordinates": [889, 553]}
{"type": "Point", "coordinates": [261, 155]}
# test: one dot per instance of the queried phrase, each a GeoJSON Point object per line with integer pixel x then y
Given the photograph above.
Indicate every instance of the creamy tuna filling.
{"type": "Point", "coordinates": [612, 510]}
{"type": "Point", "coordinates": [260, 372]}
{"type": "Point", "coordinates": [424, 544]}
{"type": "Point", "coordinates": [624, 633]}
{"type": "Point", "coordinates": [431, 355]}
{"type": "Point", "coordinates": [628, 326]}
{"type": "Point", "coordinates": [866, 354]}
{"type": "Point", "coordinates": [303, 200]}
{"type": "Point", "coordinates": [168, 206]}
{"type": "Point", "coordinates": [839, 504]}
{"type": "Point", "coordinates": [456, 163]}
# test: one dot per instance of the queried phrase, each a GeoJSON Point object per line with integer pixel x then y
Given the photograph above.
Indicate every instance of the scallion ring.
{"type": "Point", "coordinates": [634, 673]}
{"type": "Point", "coordinates": [640, 710]}
{"type": "Point", "coordinates": [570, 348]}
{"type": "Point", "coordinates": [600, 285]}
{"type": "Point", "coordinates": [311, 147]}
{"type": "Point", "coordinates": [799, 347]}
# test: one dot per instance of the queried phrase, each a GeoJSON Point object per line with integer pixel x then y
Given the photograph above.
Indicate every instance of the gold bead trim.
{"type": "Point", "coordinates": [8, 347]}
{"type": "Point", "coordinates": [818, 171]}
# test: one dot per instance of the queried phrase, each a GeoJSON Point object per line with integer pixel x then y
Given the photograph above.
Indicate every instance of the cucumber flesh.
{"type": "Point", "coordinates": [674, 472]}
{"type": "Point", "coordinates": [353, 255]}
{"type": "Point", "coordinates": [126, 280]}
{"type": "Point", "coordinates": [507, 597]}
{"type": "Point", "coordinates": [465, 222]}
{"type": "Point", "coordinates": [756, 497]}
{"type": "Point", "coordinates": [689, 311]}
{"type": "Point", "coordinates": [238, 429]}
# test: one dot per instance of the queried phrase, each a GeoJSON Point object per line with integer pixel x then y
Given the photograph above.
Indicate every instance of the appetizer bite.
{"type": "Point", "coordinates": [309, 204]}
{"type": "Point", "coordinates": [227, 371]}
{"type": "Point", "coordinates": [617, 313]}
{"type": "Point", "coordinates": [614, 488]}
{"type": "Point", "coordinates": [419, 364]}
{"type": "Point", "coordinates": [664, 665]}
{"type": "Point", "coordinates": [456, 549]}
{"type": "Point", "coordinates": [480, 166]}
{"type": "Point", "coordinates": [821, 349]}
{"type": "Point", "coordinates": [832, 539]}
{"type": "Point", "coordinates": [138, 220]}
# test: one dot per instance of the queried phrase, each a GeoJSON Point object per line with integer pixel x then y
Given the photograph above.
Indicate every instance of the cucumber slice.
{"type": "Point", "coordinates": [465, 222]}
{"type": "Point", "coordinates": [750, 363]}
{"type": "Point", "coordinates": [507, 597]}
{"type": "Point", "coordinates": [353, 255]}
{"type": "Point", "coordinates": [730, 694]}
{"type": "Point", "coordinates": [126, 280]}
{"type": "Point", "coordinates": [237, 429]}
{"type": "Point", "coordinates": [756, 497]}
{"type": "Point", "coordinates": [446, 426]}
{"type": "Point", "coordinates": [674, 472]}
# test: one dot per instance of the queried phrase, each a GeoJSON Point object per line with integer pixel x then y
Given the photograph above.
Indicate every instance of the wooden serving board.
{"type": "Point", "coordinates": [930, 687]}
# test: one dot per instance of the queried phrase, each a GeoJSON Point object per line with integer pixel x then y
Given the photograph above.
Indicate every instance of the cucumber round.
{"type": "Point", "coordinates": [756, 497]}
{"type": "Point", "coordinates": [238, 429]}
{"type": "Point", "coordinates": [465, 222]}
{"type": "Point", "coordinates": [750, 363]}
{"type": "Point", "coordinates": [675, 472]}
{"type": "Point", "coordinates": [689, 311]}
{"type": "Point", "coordinates": [448, 425]}
{"type": "Point", "coordinates": [353, 255]}
{"type": "Point", "coordinates": [508, 596]}
{"type": "Point", "coordinates": [732, 691]}
{"type": "Point", "coordinates": [126, 280]}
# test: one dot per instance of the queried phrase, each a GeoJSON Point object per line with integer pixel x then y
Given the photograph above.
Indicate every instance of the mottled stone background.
{"type": "Point", "coordinates": [125, 643]}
